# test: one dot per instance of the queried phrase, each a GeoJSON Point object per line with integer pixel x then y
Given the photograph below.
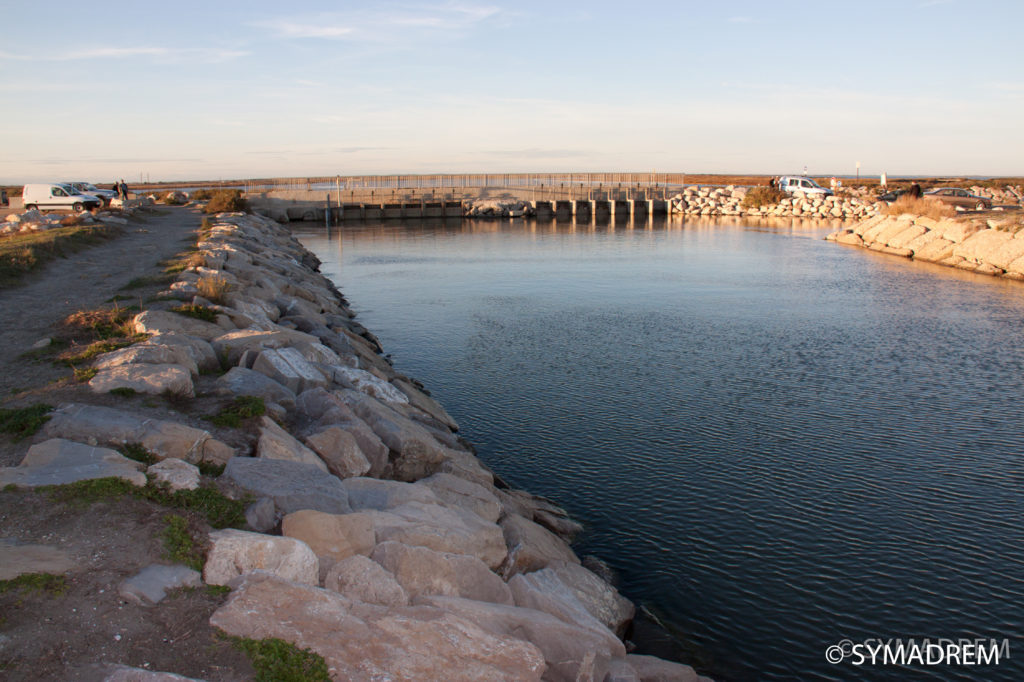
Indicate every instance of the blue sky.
{"type": "Point", "coordinates": [225, 89]}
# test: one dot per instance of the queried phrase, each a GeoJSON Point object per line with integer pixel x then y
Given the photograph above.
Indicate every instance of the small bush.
{"type": "Point", "coordinates": [213, 288]}
{"type": "Point", "coordinates": [276, 660]}
{"type": "Point", "coordinates": [201, 195]}
{"type": "Point", "coordinates": [199, 312]}
{"type": "Point", "coordinates": [84, 375]}
{"type": "Point", "coordinates": [137, 452]}
{"type": "Point", "coordinates": [243, 407]}
{"type": "Point", "coordinates": [762, 195]}
{"type": "Point", "coordinates": [24, 422]}
{"type": "Point", "coordinates": [226, 200]}
{"type": "Point", "coordinates": [926, 207]}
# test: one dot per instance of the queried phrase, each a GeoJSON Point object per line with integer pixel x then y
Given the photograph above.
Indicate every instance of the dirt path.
{"type": "Point", "coordinates": [83, 280]}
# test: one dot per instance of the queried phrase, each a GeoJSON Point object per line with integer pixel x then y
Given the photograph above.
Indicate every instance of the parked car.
{"type": "Point", "coordinates": [892, 196]}
{"type": "Point", "coordinates": [958, 197]}
{"type": "Point", "coordinates": [43, 196]}
{"type": "Point", "coordinates": [104, 195]}
{"type": "Point", "coordinates": [796, 183]}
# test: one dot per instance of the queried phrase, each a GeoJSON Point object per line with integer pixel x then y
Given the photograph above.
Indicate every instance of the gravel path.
{"type": "Point", "coordinates": [83, 280]}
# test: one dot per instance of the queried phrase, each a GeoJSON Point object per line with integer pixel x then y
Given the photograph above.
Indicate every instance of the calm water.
{"type": "Point", "coordinates": [776, 441]}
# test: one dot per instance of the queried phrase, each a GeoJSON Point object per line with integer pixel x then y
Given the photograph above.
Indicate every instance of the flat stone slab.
{"type": "Point", "coordinates": [236, 552]}
{"type": "Point", "coordinates": [58, 461]}
{"type": "Point", "coordinates": [97, 425]}
{"type": "Point", "coordinates": [151, 585]}
{"type": "Point", "coordinates": [123, 673]}
{"type": "Point", "coordinates": [143, 378]}
{"type": "Point", "coordinates": [16, 559]}
{"type": "Point", "coordinates": [177, 474]}
{"type": "Point", "coordinates": [150, 354]}
{"type": "Point", "coordinates": [287, 367]}
{"type": "Point", "coordinates": [166, 322]}
{"type": "Point", "coordinates": [292, 485]}
{"type": "Point", "coordinates": [243, 381]}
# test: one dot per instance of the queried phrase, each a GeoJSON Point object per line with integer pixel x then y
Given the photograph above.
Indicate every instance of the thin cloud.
{"type": "Point", "coordinates": [385, 23]}
{"type": "Point", "coordinates": [168, 54]}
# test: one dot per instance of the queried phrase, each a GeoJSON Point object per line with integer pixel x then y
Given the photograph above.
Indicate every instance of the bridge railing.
{"type": "Point", "coordinates": [468, 180]}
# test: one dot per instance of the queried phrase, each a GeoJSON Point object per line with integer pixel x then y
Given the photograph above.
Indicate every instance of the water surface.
{"type": "Point", "coordinates": [776, 441]}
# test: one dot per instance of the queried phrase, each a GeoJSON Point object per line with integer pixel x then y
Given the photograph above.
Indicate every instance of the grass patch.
{"type": "Point", "coordinates": [208, 502]}
{"type": "Point", "coordinates": [242, 407]}
{"type": "Point", "coordinates": [137, 452]}
{"type": "Point", "coordinates": [210, 469]}
{"type": "Point", "coordinates": [184, 261]}
{"type": "Point", "coordinates": [84, 375]}
{"type": "Point", "coordinates": [213, 288]}
{"type": "Point", "coordinates": [46, 583]}
{"type": "Point", "coordinates": [123, 391]}
{"type": "Point", "coordinates": [226, 200]}
{"type": "Point", "coordinates": [103, 323]}
{"type": "Point", "coordinates": [201, 195]}
{"type": "Point", "coordinates": [24, 422]}
{"type": "Point", "coordinates": [92, 350]}
{"type": "Point", "coordinates": [179, 545]}
{"type": "Point", "coordinates": [762, 195]}
{"type": "Point", "coordinates": [199, 312]}
{"type": "Point", "coordinates": [926, 207]}
{"type": "Point", "coordinates": [276, 660]}
{"type": "Point", "coordinates": [23, 253]}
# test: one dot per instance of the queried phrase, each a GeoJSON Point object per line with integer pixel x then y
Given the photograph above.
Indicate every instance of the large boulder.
{"type": "Point", "coordinates": [236, 552]}
{"type": "Point", "coordinates": [363, 641]}
{"type": "Point", "coordinates": [598, 597]}
{"type": "Point", "coordinates": [232, 345]}
{"type": "Point", "coordinates": [199, 350]}
{"type": "Point", "coordinates": [242, 381]}
{"type": "Point", "coordinates": [544, 590]}
{"type": "Point", "coordinates": [276, 443]}
{"type": "Point", "coordinates": [287, 367]}
{"type": "Point", "coordinates": [442, 529]}
{"type": "Point", "coordinates": [144, 378]}
{"type": "Point", "coordinates": [98, 425]}
{"type": "Point", "coordinates": [362, 579]}
{"type": "Point", "coordinates": [150, 354]}
{"type": "Point", "coordinates": [371, 493]}
{"type": "Point", "coordinates": [422, 401]}
{"type": "Point", "coordinates": [572, 653]}
{"type": "Point", "coordinates": [458, 492]}
{"type": "Point", "coordinates": [332, 537]}
{"type": "Point", "coordinates": [176, 474]}
{"type": "Point", "coordinates": [329, 410]}
{"type": "Point", "coordinates": [531, 547]}
{"type": "Point", "coordinates": [369, 384]}
{"type": "Point", "coordinates": [652, 669]}
{"type": "Point", "coordinates": [58, 461]}
{"type": "Point", "coordinates": [166, 322]}
{"type": "Point", "coordinates": [292, 486]}
{"type": "Point", "coordinates": [422, 571]}
{"type": "Point", "coordinates": [340, 451]}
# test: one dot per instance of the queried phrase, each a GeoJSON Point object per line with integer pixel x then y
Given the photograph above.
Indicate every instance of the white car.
{"type": "Point", "coordinates": [104, 195]}
{"type": "Point", "coordinates": [57, 196]}
{"type": "Point", "coordinates": [796, 183]}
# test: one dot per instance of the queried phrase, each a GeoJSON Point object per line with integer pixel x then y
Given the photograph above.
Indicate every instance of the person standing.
{"type": "Point", "coordinates": [4, 201]}
{"type": "Point", "coordinates": [122, 190]}
{"type": "Point", "coordinates": [883, 181]}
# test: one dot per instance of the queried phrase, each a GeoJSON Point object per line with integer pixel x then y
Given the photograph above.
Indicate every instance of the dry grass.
{"type": "Point", "coordinates": [925, 207]}
{"type": "Point", "coordinates": [24, 252]}
{"type": "Point", "coordinates": [213, 288]}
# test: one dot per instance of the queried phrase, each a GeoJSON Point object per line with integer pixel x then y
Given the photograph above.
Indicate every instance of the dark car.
{"type": "Point", "coordinates": [954, 196]}
{"type": "Point", "coordinates": [892, 196]}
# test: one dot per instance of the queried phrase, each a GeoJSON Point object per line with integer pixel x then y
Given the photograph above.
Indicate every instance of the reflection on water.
{"type": "Point", "coordinates": [777, 442]}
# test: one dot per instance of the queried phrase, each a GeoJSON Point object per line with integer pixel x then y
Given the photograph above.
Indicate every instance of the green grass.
{"type": "Point", "coordinates": [24, 422]}
{"type": "Point", "coordinates": [208, 502]}
{"type": "Point", "coordinates": [199, 312]}
{"type": "Point", "coordinates": [179, 545]}
{"type": "Point", "coordinates": [98, 348]}
{"type": "Point", "coordinates": [23, 253]}
{"type": "Point", "coordinates": [84, 375]}
{"type": "Point", "coordinates": [276, 660]}
{"type": "Point", "coordinates": [123, 391]}
{"type": "Point", "coordinates": [47, 583]}
{"type": "Point", "coordinates": [137, 452]}
{"type": "Point", "coordinates": [243, 407]}
{"type": "Point", "coordinates": [148, 280]}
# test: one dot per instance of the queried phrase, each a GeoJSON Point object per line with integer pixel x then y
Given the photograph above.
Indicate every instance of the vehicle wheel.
{"type": "Point", "coordinates": [980, 206]}
{"type": "Point", "coordinates": [31, 207]}
{"type": "Point", "coordinates": [77, 207]}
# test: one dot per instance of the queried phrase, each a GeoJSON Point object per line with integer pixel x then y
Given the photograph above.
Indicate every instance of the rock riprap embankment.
{"type": "Point", "coordinates": [991, 247]}
{"type": "Point", "coordinates": [376, 538]}
{"type": "Point", "coordinates": [728, 201]}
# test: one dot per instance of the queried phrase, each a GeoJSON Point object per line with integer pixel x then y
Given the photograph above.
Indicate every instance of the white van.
{"type": "Point", "coordinates": [796, 183]}
{"type": "Point", "coordinates": [55, 196]}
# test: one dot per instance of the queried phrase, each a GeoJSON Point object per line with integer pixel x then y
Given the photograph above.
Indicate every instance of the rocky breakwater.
{"type": "Point", "coordinates": [990, 247]}
{"type": "Point", "coordinates": [732, 201]}
{"type": "Point", "coordinates": [37, 221]}
{"type": "Point", "coordinates": [375, 537]}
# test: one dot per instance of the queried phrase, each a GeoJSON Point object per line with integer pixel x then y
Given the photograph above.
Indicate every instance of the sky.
{"type": "Point", "coordinates": [230, 90]}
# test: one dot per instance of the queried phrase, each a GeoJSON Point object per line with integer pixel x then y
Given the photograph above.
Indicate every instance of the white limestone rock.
{"type": "Point", "coordinates": [58, 461]}
{"type": "Point", "coordinates": [236, 552]}
{"type": "Point", "coordinates": [176, 474]}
